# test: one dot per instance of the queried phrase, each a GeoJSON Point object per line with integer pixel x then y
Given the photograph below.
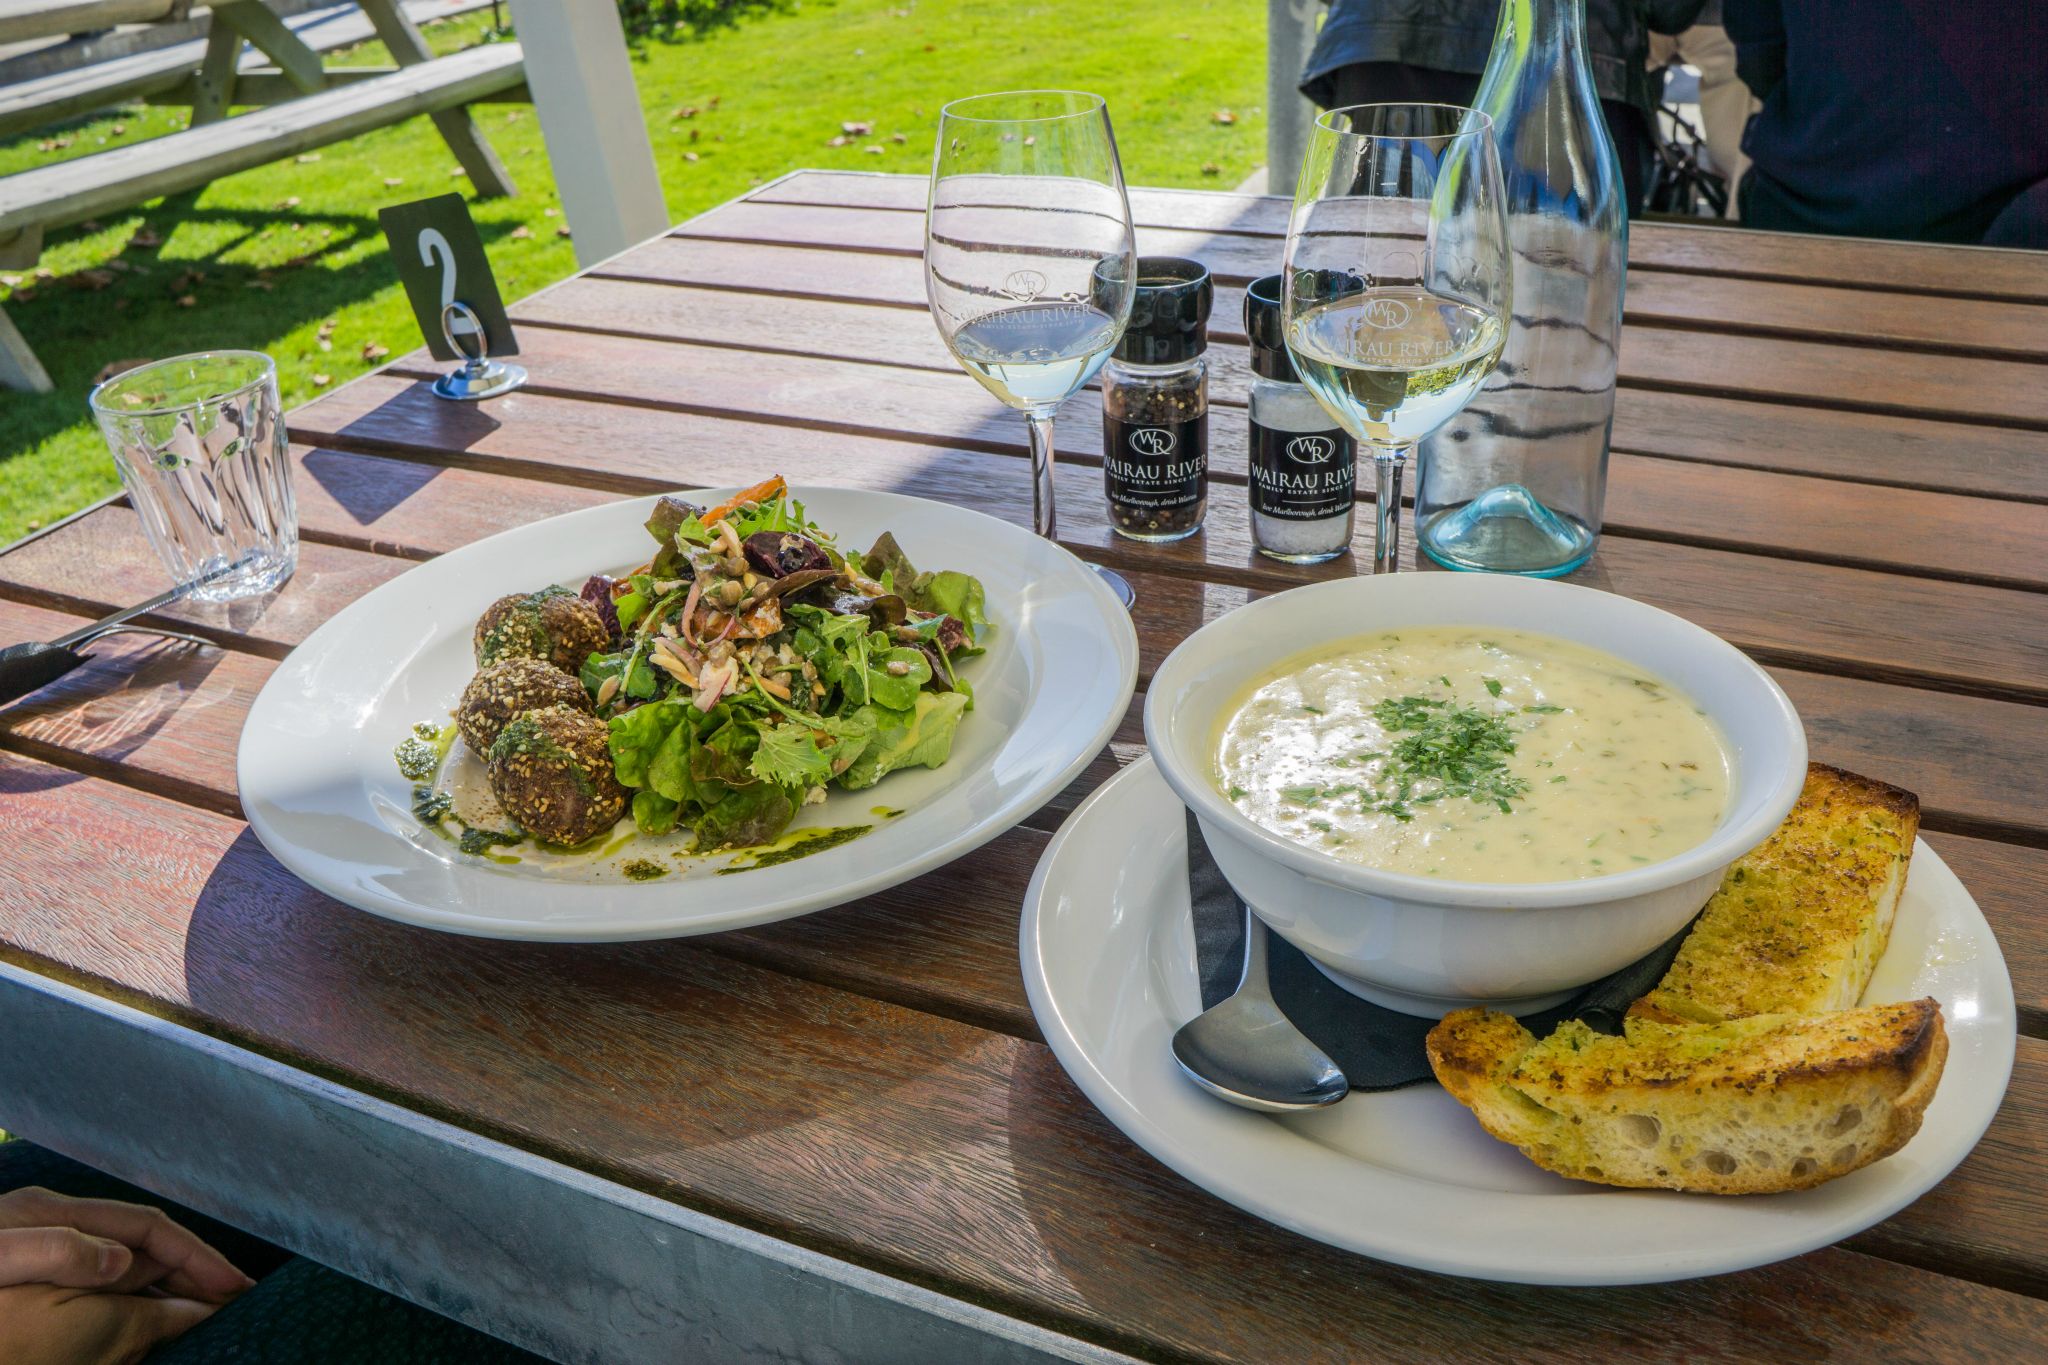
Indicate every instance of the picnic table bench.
{"type": "Point", "coordinates": [841, 1136]}
{"type": "Point", "coordinates": [303, 104]}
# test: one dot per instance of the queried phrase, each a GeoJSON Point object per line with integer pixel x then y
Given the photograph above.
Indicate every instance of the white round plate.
{"type": "Point", "coordinates": [324, 794]}
{"type": "Point", "coordinates": [1408, 1175]}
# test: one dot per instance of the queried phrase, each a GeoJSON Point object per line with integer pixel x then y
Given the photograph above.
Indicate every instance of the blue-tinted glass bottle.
{"type": "Point", "coordinates": [1515, 483]}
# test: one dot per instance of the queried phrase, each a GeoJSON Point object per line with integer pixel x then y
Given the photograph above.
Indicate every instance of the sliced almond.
{"type": "Point", "coordinates": [608, 689]}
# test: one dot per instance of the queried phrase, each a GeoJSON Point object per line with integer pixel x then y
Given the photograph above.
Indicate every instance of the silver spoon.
{"type": "Point", "coordinates": [1245, 1051]}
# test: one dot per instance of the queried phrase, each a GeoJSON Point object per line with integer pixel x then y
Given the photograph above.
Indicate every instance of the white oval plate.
{"type": "Point", "coordinates": [323, 792]}
{"type": "Point", "coordinates": [1408, 1175]}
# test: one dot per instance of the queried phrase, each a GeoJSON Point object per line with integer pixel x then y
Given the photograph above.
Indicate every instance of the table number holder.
{"type": "Point", "coordinates": [480, 376]}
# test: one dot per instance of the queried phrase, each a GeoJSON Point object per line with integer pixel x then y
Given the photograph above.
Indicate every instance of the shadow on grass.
{"type": "Point", "coordinates": [134, 305]}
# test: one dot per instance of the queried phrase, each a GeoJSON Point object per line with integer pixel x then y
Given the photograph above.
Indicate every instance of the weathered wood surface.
{"type": "Point", "coordinates": [953, 1151]}
{"type": "Point", "coordinates": [869, 1081]}
{"type": "Point", "coordinates": [66, 192]}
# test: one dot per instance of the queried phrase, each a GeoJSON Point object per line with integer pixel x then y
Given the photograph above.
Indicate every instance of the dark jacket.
{"type": "Point", "coordinates": [1921, 119]}
{"type": "Point", "coordinates": [1456, 35]}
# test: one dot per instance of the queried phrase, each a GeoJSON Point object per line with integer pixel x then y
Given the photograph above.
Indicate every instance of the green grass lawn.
{"type": "Point", "coordinates": [289, 258]}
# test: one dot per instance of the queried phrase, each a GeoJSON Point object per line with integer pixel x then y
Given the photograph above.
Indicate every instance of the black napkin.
{"type": "Point", "coordinates": [1375, 1047]}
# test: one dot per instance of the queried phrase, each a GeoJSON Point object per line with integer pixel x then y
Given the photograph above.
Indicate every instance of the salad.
{"type": "Point", "coordinates": [749, 666]}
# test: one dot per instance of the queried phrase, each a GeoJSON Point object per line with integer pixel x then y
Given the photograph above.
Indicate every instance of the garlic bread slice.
{"type": "Point", "coordinates": [1799, 923]}
{"type": "Point", "coordinates": [1748, 1106]}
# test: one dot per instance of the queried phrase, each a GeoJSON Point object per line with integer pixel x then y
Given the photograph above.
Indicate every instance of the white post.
{"type": "Point", "coordinates": [1290, 33]}
{"type": "Point", "coordinates": [582, 84]}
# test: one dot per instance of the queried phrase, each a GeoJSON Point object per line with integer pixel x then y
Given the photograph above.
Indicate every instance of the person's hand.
{"type": "Point", "coordinates": [95, 1280]}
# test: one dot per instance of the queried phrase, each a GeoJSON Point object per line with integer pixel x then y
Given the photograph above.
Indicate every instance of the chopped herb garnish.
{"type": "Point", "coordinates": [1543, 710]}
{"type": "Point", "coordinates": [1302, 796]}
{"type": "Point", "coordinates": [1312, 710]}
{"type": "Point", "coordinates": [1238, 793]}
{"type": "Point", "coordinates": [1493, 686]}
{"type": "Point", "coordinates": [1559, 778]}
{"type": "Point", "coordinates": [1442, 750]}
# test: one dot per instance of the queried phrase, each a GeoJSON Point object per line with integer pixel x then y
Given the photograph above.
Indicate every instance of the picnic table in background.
{"type": "Point", "coordinates": [843, 1128]}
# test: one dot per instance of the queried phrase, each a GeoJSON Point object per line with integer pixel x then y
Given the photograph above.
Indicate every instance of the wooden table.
{"type": "Point", "coordinates": [843, 1131]}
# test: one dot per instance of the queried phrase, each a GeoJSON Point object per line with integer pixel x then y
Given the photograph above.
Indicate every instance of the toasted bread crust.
{"type": "Point", "coordinates": [1753, 1106]}
{"type": "Point", "coordinates": [1799, 923]}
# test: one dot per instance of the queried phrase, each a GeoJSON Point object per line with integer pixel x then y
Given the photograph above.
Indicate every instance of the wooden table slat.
{"type": "Point", "coordinates": [1935, 533]}
{"type": "Point", "coordinates": [1898, 451]}
{"type": "Point", "coordinates": [213, 931]}
{"type": "Point", "coordinates": [1790, 371]}
{"type": "Point", "coordinates": [1727, 253]}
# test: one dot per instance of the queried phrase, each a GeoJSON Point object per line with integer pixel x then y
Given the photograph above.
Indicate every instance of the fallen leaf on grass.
{"type": "Point", "coordinates": [687, 111]}
{"type": "Point", "coordinates": [454, 172]}
{"type": "Point", "coordinates": [873, 150]}
{"type": "Point", "coordinates": [308, 158]}
{"type": "Point", "coordinates": [94, 280]}
{"type": "Point", "coordinates": [373, 351]}
{"type": "Point", "coordinates": [521, 233]}
{"type": "Point", "coordinates": [547, 213]}
{"type": "Point", "coordinates": [187, 301]}
{"type": "Point", "coordinates": [10, 280]}
{"type": "Point", "coordinates": [25, 294]}
{"type": "Point", "coordinates": [265, 285]}
{"type": "Point", "coordinates": [1211, 168]}
{"type": "Point", "coordinates": [392, 182]}
{"type": "Point", "coordinates": [562, 231]}
{"type": "Point", "coordinates": [837, 141]}
{"type": "Point", "coordinates": [713, 101]}
{"type": "Point", "coordinates": [145, 239]}
{"type": "Point", "coordinates": [321, 381]}
{"type": "Point", "coordinates": [857, 128]}
{"type": "Point", "coordinates": [290, 203]}
{"type": "Point", "coordinates": [693, 135]}
{"type": "Point", "coordinates": [1224, 117]}
{"type": "Point", "coordinates": [690, 156]}
{"type": "Point", "coordinates": [898, 138]}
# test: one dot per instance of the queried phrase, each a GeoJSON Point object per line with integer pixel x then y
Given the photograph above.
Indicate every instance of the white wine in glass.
{"type": "Point", "coordinates": [1398, 280]}
{"type": "Point", "coordinates": [1030, 261]}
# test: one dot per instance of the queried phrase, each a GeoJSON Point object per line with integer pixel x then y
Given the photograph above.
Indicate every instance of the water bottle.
{"type": "Point", "coordinates": [1515, 483]}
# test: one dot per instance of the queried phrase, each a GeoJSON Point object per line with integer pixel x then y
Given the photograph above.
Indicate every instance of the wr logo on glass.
{"type": "Point", "coordinates": [1154, 441]}
{"type": "Point", "coordinates": [1386, 312]}
{"type": "Point", "coordinates": [1311, 449]}
{"type": "Point", "coordinates": [1024, 285]}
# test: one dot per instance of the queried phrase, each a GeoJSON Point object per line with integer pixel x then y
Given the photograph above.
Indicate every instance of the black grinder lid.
{"type": "Point", "coordinates": [1169, 312]}
{"type": "Point", "coordinates": [1265, 324]}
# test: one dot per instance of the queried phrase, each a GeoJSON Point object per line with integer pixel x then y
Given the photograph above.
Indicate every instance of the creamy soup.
{"type": "Point", "coordinates": [1474, 754]}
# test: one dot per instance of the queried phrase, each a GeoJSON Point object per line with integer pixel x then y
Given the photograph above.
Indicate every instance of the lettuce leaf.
{"type": "Point", "coordinates": [919, 737]}
{"type": "Point", "coordinates": [789, 754]}
{"type": "Point", "coordinates": [653, 812]}
{"type": "Point", "coordinates": [745, 816]}
{"type": "Point", "coordinates": [957, 595]}
{"type": "Point", "coordinates": [947, 591]}
{"type": "Point", "coordinates": [886, 689]}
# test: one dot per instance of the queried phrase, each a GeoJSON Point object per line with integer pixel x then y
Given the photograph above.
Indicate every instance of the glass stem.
{"type": "Point", "coordinates": [1386, 526]}
{"type": "Point", "coordinates": [1042, 520]}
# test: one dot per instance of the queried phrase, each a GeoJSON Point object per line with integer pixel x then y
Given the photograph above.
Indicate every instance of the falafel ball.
{"type": "Point", "coordinates": [504, 689]}
{"type": "Point", "coordinates": [551, 770]}
{"type": "Point", "coordinates": [553, 625]}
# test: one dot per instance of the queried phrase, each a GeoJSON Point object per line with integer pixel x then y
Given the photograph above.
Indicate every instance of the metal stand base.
{"type": "Point", "coordinates": [481, 378]}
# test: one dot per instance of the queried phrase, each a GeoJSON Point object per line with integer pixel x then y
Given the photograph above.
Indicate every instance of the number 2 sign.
{"type": "Point", "coordinates": [440, 259]}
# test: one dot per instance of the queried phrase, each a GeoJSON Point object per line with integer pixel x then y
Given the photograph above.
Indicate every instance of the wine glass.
{"type": "Point", "coordinates": [1029, 258]}
{"type": "Point", "coordinates": [1399, 279]}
